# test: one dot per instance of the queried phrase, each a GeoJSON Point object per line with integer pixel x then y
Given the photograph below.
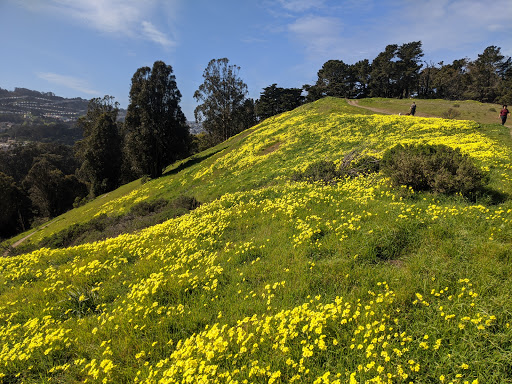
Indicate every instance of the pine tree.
{"type": "Point", "coordinates": [100, 150]}
{"type": "Point", "coordinates": [155, 127]}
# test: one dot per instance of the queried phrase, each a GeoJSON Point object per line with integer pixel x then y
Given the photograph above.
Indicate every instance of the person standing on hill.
{"type": "Point", "coordinates": [503, 114]}
{"type": "Point", "coordinates": [412, 111]}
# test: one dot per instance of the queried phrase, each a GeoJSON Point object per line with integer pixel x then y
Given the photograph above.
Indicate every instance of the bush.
{"type": "Point", "coordinates": [353, 164]}
{"type": "Point", "coordinates": [436, 168]}
{"type": "Point", "coordinates": [451, 114]}
{"type": "Point", "coordinates": [322, 170]}
{"type": "Point", "coordinates": [141, 215]}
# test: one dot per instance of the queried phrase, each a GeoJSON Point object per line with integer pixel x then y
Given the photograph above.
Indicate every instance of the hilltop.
{"type": "Point", "coordinates": [271, 280]}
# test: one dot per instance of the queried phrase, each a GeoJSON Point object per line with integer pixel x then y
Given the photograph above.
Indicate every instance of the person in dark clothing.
{"type": "Point", "coordinates": [503, 114]}
{"type": "Point", "coordinates": [413, 109]}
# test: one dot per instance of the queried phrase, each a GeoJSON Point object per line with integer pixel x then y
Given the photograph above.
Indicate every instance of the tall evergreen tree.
{"type": "Point", "coordinates": [451, 81]}
{"type": "Point", "coordinates": [335, 78]}
{"type": "Point", "coordinates": [155, 127]}
{"type": "Point", "coordinates": [222, 96]}
{"type": "Point", "coordinates": [408, 68]}
{"type": "Point", "coordinates": [486, 74]}
{"type": "Point", "coordinates": [50, 190]}
{"type": "Point", "coordinates": [384, 73]}
{"type": "Point", "coordinates": [15, 207]}
{"type": "Point", "coordinates": [275, 100]}
{"type": "Point", "coordinates": [100, 150]}
{"type": "Point", "coordinates": [361, 73]}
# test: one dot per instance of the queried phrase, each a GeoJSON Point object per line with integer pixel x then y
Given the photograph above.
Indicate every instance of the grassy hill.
{"type": "Point", "coordinates": [275, 281]}
{"type": "Point", "coordinates": [484, 113]}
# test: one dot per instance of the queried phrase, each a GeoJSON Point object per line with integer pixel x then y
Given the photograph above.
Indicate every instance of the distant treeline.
{"type": "Point", "coordinates": [20, 92]}
{"type": "Point", "coordinates": [44, 180]}
{"type": "Point", "coordinates": [399, 72]}
{"type": "Point", "coordinates": [40, 130]}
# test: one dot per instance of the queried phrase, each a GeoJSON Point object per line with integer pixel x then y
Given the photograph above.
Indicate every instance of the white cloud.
{"type": "Point", "coordinates": [153, 34]}
{"type": "Point", "coordinates": [68, 82]}
{"type": "Point", "coordinates": [132, 18]}
{"type": "Point", "coordinates": [352, 30]}
{"type": "Point", "coordinates": [301, 5]}
{"type": "Point", "coordinates": [452, 24]}
{"type": "Point", "coordinates": [318, 34]}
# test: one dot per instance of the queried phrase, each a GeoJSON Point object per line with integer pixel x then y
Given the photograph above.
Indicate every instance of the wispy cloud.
{"type": "Point", "coordinates": [354, 30]}
{"type": "Point", "coordinates": [301, 5]}
{"type": "Point", "coordinates": [68, 82]}
{"type": "Point", "coordinates": [253, 40]}
{"type": "Point", "coordinates": [153, 34]}
{"type": "Point", "coordinates": [318, 34]}
{"type": "Point", "coordinates": [132, 18]}
{"type": "Point", "coordinates": [451, 23]}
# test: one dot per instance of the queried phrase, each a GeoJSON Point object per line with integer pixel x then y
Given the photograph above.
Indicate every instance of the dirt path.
{"type": "Point", "coordinates": [355, 103]}
{"type": "Point", "coordinates": [14, 245]}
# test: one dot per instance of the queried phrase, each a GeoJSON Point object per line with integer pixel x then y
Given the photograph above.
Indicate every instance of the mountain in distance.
{"type": "Point", "coordinates": [28, 103]}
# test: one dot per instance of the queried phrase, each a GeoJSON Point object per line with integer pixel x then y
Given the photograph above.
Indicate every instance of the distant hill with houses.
{"type": "Point", "coordinates": [27, 103]}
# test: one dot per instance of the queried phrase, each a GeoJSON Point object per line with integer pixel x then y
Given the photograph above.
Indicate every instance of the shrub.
{"type": "Point", "coordinates": [436, 168]}
{"type": "Point", "coordinates": [142, 215]}
{"type": "Point", "coordinates": [322, 170]}
{"type": "Point", "coordinates": [354, 164]}
{"type": "Point", "coordinates": [492, 109]}
{"type": "Point", "coordinates": [451, 114]}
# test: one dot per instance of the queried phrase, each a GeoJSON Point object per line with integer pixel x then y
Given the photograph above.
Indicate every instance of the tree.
{"type": "Point", "coordinates": [222, 96]}
{"type": "Point", "coordinates": [395, 72]}
{"type": "Point", "coordinates": [361, 72]}
{"type": "Point", "coordinates": [335, 78]}
{"type": "Point", "coordinates": [14, 207]}
{"type": "Point", "coordinates": [408, 68]}
{"type": "Point", "coordinates": [248, 114]}
{"type": "Point", "coordinates": [155, 127]}
{"type": "Point", "coordinates": [275, 100]}
{"type": "Point", "coordinates": [451, 80]}
{"type": "Point", "coordinates": [383, 74]}
{"type": "Point", "coordinates": [486, 74]}
{"type": "Point", "coordinates": [100, 150]}
{"type": "Point", "coordinates": [50, 190]}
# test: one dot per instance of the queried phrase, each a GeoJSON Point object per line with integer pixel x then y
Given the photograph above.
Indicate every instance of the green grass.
{"type": "Point", "coordinates": [484, 113]}
{"type": "Point", "coordinates": [275, 281]}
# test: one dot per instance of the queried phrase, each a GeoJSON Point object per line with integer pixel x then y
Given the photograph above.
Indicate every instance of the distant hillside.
{"type": "Point", "coordinates": [25, 102]}
{"type": "Point", "coordinates": [271, 280]}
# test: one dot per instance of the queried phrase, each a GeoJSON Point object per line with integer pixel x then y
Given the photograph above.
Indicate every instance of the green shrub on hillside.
{"type": "Point", "coordinates": [141, 215]}
{"type": "Point", "coordinates": [435, 168]}
{"type": "Point", "coordinates": [352, 165]}
{"type": "Point", "coordinates": [322, 170]}
{"type": "Point", "coordinates": [451, 114]}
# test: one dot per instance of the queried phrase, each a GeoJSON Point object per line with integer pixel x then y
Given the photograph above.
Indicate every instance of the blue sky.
{"type": "Point", "coordinates": [91, 48]}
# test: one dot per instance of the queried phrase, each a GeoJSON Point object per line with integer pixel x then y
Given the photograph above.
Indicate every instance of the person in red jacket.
{"type": "Point", "coordinates": [503, 114]}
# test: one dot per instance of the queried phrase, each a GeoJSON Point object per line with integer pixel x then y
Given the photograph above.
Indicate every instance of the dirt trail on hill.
{"type": "Point", "coordinates": [355, 103]}
{"type": "Point", "coordinates": [14, 245]}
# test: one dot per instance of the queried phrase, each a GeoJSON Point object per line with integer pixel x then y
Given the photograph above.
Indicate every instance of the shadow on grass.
{"type": "Point", "coordinates": [191, 161]}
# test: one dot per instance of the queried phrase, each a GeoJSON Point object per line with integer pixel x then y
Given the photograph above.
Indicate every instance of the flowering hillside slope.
{"type": "Point", "coordinates": [274, 281]}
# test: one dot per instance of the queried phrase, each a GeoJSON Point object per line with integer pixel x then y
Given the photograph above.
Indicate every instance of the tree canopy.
{"type": "Point", "coordinates": [222, 96]}
{"type": "Point", "coordinates": [275, 100]}
{"type": "Point", "coordinates": [100, 150]}
{"type": "Point", "coordinates": [155, 127]}
{"type": "Point", "coordinates": [400, 72]}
